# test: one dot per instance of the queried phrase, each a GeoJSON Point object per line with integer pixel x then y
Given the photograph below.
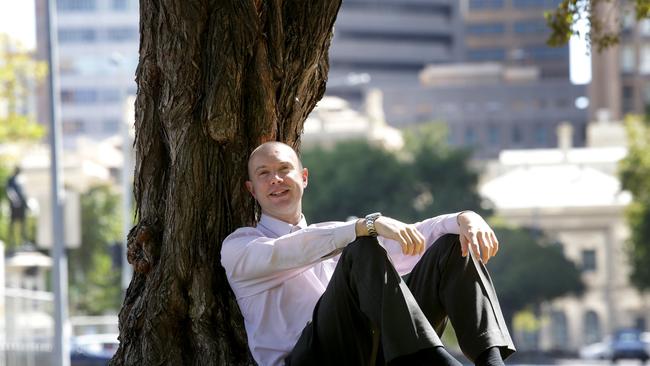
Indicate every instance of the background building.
{"type": "Point", "coordinates": [98, 44]}
{"type": "Point", "coordinates": [390, 41]}
{"type": "Point", "coordinates": [513, 32]}
{"type": "Point", "coordinates": [575, 197]}
{"type": "Point", "coordinates": [488, 107]}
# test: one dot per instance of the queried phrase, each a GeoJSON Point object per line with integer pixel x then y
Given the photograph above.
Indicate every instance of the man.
{"type": "Point", "coordinates": [332, 293]}
{"type": "Point", "coordinates": [18, 205]}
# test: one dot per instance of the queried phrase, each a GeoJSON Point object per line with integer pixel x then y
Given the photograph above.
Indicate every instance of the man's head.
{"type": "Point", "coordinates": [276, 179]}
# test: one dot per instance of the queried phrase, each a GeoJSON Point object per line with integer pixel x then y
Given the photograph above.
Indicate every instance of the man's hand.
{"type": "Point", "coordinates": [408, 236]}
{"type": "Point", "coordinates": [476, 234]}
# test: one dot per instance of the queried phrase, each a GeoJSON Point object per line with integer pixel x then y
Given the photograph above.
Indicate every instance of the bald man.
{"type": "Point", "coordinates": [363, 292]}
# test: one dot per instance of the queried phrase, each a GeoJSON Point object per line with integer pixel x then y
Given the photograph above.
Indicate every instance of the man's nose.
{"type": "Point", "coordinates": [275, 178]}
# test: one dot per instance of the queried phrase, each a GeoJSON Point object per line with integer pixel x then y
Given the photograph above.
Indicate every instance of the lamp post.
{"type": "Point", "coordinates": [61, 346]}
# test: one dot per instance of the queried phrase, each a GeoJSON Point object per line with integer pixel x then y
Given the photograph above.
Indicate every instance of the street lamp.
{"type": "Point", "coordinates": [61, 346]}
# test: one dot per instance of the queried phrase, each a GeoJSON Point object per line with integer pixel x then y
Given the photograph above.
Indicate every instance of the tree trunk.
{"type": "Point", "coordinates": [215, 79]}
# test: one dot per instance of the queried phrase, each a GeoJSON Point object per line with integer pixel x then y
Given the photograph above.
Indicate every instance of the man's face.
{"type": "Point", "coordinates": [277, 182]}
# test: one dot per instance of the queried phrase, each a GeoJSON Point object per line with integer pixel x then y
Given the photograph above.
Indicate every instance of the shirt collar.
{"type": "Point", "coordinates": [280, 227]}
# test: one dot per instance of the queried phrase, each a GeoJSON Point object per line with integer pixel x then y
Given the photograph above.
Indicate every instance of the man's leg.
{"type": "Point", "coordinates": [365, 307]}
{"type": "Point", "coordinates": [448, 286]}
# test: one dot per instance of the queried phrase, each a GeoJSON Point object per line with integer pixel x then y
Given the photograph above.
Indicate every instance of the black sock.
{"type": "Point", "coordinates": [429, 356]}
{"type": "Point", "coordinates": [490, 357]}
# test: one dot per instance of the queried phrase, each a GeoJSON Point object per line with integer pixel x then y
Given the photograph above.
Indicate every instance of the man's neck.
{"type": "Point", "coordinates": [291, 221]}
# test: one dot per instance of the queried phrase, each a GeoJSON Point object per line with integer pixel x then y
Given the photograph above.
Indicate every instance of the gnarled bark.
{"type": "Point", "coordinates": [215, 79]}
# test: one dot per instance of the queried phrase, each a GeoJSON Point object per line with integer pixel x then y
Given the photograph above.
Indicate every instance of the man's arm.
{"type": "Point", "coordinates": [248, 255]}
{"type": "Point", "coordinates": [474, 233]}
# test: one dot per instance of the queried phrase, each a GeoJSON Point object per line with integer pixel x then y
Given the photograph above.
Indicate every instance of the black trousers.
{"type": "Point", "coordinates": [370, 315]}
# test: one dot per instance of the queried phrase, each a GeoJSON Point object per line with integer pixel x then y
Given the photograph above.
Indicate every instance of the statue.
{"type": "Point", "coordinates": [18, 205]}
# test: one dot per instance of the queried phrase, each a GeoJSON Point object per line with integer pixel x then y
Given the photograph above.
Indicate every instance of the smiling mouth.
{"type": "Point", "coordinates": [278, 194]}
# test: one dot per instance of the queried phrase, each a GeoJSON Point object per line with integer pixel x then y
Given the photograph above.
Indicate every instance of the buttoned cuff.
{"type": "Point", "coordinates": [450, 223]}
{"type": "Point", "coordinates": [345, 234]}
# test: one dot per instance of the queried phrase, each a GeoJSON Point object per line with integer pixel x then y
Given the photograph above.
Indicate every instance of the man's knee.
{"type": "Point", "coordinates": [448, 243]}
{"type": "Point", "coordinates": [364, 248]}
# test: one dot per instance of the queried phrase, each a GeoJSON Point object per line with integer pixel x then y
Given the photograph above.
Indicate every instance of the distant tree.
{"type": "Point", "coordinates": [446, 180]}
{"type": "Point", "coordinates": [19, 75]}
{"type": "Point", "coordinates": [424, 179]}
{"type": "Point", "coordinates": [94, 282]}
{"type": "Point", "coordinates": [529, 270]}
{"type": "Point", "coordinates": [562, 19]}
{"type": "Point", "coordinates": [355, 178]}
{"type": "Point", "coordinates": [635, 177]}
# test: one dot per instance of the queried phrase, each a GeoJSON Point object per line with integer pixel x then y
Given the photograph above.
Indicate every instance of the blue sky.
{"type": "Point", "coordinates": [17, 19]}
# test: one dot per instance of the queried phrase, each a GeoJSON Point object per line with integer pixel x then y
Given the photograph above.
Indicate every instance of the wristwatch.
{"type": "Point", "coordinates": [370, 223]}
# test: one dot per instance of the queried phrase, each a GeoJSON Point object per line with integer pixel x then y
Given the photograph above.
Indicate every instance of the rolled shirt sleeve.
{"type": "Point", "coordinates": [432, 229]}
{"type": "Point", "coordinates": [249, 256]}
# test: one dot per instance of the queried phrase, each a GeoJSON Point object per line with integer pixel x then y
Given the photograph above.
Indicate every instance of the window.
{"type": "Point", "coordinates": [545, 4]}
{"type": "Point", "coordinates": [122, 34]}
{"type": "Point", "coordinates": [79, 96]}
{"type": "Point", "coordinates": [591, 327]}
{"type": "Point", "coordinates": [111, 125]}
{"type": "Point", "coordinates": [72, 126]}
{"type": "Point", "coordinates": [559, 330]}
{"type": "Point", "coordinates": [486, 4]}
{"type": "Point", "coordinates": [517, 135]}
{"type": "Point", "coordinates": [644, 63]}
{"type": "Point", "coordinates": [541, 135]}
{"type": "Point", "coordinates": [644, 27]}
{"type": "Point", "coordinates": [109, 95]}
{"type": "Point", "coordinates": [483, 29]}
{"type": "Point", "coordinates": [486, 54]}
{"type": "Point", "coordinates": [76, 5]}
{"type": "Point", "coordinates": [494, 135]}
{"type": "Point", "coordinates": [72, 35]}
{"type": "Point", "coordinates": [531, 26]}
{"type": "Point", "coordinates": [470, 136]}
{"type": "Point", "coordinates": [588, 260]}
{"type": "Point", "coordinates": [544, 52]}
{"type": "Point", "coordinates": [628, 61]}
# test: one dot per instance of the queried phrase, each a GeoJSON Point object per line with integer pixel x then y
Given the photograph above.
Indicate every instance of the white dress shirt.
{"type": "Point", "coordinates": [278, 272]}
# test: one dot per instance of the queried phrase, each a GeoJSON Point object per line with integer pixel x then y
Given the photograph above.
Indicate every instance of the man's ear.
{"type": "Point", "coordinates": [305, 177]}
{"type": "Point", "coordinates": [249, 187]}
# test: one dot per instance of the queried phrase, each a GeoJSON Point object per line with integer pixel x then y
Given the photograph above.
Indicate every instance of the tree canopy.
{"type": "Point", "coordinates": [19, 75]}
{"type": "Point", "coordinates": [604, 31]}
{"type": "Point", "coordinates": [94, 278]}
{"type": "Point", "coordinates": [530, 269]}
{"type": "Point", "coordinates": [424, 179]}
{"type": "Point", "coordinates": [635, 177]}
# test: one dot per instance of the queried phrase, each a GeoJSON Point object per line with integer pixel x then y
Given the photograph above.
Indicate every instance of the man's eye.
{"type": "Point", "coordinates": [262, 174]}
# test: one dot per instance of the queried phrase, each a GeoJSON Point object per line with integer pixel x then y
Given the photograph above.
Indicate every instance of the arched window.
{"type": "Point", "coordinates": [591, 327]}
{"type": "Point", "coordinates": [559, 330]}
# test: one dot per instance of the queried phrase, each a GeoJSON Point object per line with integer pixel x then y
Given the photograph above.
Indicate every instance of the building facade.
{"type": "Point", "coordinates": [489, 107]}
{"type": "Point", "coordinates": [385, 43]}
{"type": "Point", "coordinates": [98, 44]}
{"type": "Point", "coordinates": [513, 32]}
{"type": "Point", "coordinates": [575, 197]}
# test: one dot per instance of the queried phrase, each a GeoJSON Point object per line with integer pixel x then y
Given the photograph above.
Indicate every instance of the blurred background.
{"type": "Point", "coordinates": [446, 105]}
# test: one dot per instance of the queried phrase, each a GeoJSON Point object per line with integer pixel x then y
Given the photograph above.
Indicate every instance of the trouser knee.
{"type": "Point", "coordinates": [364, 248]}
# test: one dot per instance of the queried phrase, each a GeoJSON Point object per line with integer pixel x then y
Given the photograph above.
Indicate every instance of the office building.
{"type": "Point", "coordinates": [98, 52]}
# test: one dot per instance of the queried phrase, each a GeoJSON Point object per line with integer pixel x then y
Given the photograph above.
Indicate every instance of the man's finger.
{"type": "Point", "coordinates": [417, 238]}
{"type": "Point", "coordinates": [496, 243]}
{"type": "Point", "coordinates": [473, 241]}
{"type": "Point", "coordinates": [486, 246]}
{"type": "Point", "coordinates": [463, 245]}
